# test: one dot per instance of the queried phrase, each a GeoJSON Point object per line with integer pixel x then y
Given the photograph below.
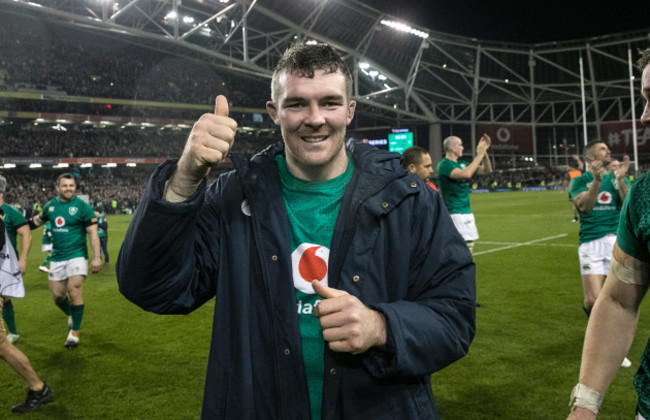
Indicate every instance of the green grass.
{"type": "Point", "coordinates": [522, 364]}
{"type": "Point", "coordinates": [525, 358]}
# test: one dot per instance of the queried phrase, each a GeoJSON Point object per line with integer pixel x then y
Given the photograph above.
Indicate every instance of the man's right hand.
{"type": "Point", "coordinates": [208, 144]}
{"type": "Point", "coordinates": [597, 168]}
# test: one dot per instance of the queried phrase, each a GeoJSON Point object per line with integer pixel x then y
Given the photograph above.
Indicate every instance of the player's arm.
{"type": "Point", "coordinates": [579, 162]}
{"type": "Point", "coordinates": [586, 200]}
{"type": "Point", "coordinates": [96, 263]}
{"type": "Point", "coordinates": [621, 178]}
{"type": "Point", "coordinates": [610, 332]}
{"type": "Point", "coordinates": [481, 154]}
{"type": "Point", "coordinates": [485, 167]}
{"type": "Point", "coordinates": [26, 234]}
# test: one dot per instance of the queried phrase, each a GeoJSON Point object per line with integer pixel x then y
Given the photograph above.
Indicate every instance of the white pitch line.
{"type": "Point", "coordinates": [517, 245]}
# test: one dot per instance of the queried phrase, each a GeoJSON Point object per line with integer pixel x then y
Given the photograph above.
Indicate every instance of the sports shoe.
{"type": "Point", "coordinates": [34, 400]}
{"type": "Point", "coordinates": [575, 219]}
{"type": "Point", "coordinates": [44, 268]}
{"type": "Point", "coordinates": [626, 363]}
{"type": "Point", "coordinates": [13, 338]}
{"type": "Point", "coordinates": [71, 342]}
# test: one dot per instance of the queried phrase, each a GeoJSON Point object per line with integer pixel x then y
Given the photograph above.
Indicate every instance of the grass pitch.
{"type": "Point", "coordinates": [522, 364]}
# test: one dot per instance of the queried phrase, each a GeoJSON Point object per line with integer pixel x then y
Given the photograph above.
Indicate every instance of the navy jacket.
{"type": "Point", "coordinates": [394, 247]}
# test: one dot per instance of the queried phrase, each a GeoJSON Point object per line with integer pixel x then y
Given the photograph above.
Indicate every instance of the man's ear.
{"type": "Point", "coordinates": [411, 168]}
{"type": "Point", "coordinates": [272, 110]}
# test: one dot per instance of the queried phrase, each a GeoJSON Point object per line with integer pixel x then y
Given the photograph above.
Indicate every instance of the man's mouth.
{"type": "Point", "coordinates": [314, 139]}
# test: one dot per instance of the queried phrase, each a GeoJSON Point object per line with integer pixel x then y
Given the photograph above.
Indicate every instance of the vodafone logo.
{"type": "Point", "coordinates": [604, 197]}
{"type": "Point", "coordinates": [309, 262]}
{"type": "Point", "coordinates": [503, 135]}
{"type": "Point", "coordinates": [59, 222]}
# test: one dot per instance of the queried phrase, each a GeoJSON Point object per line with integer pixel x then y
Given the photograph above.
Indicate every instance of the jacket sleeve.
{"type": "Point", "coordinates": [435, 324]}
{"type": "Point", "coordinates": [167, 262]}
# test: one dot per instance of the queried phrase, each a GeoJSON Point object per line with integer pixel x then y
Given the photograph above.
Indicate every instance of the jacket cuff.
{"type": "Point", "coordinates": [382, 363]}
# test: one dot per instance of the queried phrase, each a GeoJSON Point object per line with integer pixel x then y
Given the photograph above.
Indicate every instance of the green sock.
{"type": "Point", "coordinates": [64, 305]}
{"type": "Point", "coordinates": [8, 316]}
{"type": "Point", "coordinates": [77, 315]}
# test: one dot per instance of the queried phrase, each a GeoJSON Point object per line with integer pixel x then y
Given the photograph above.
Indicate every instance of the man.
{"type": "Point", "coordinates": [46, 246]}
{"type": "Point", "coordinates": [615, 315]}
{"type": "Point", "coordinates": [598, 196]}
{"type": "Point", "coordinates": [15, 224]}
{"type": "Point", "coordinates": [72, 218]}
{"type": "Point", "coordinates": [102, 232]}
{"type": "Point", "coordinates": [454, 180]}
{"type": "Point", "coordinates": [340, 281]}
{"type": "Point", "coordinates": [574, 173]}
{"type": "Point", "coordinates": [11, 284]}
{"type": "Point", "coordinates": [417, 160]}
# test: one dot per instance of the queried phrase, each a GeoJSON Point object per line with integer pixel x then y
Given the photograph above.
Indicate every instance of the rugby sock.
{"type": "Point", "coordinates": [587, 311]}
{"type": "Point", "coordinates": [64, 305]}
{"type": "Point", "coordinates": [77, 315]}
{"type": "Point", "coordinates": [8, 316]}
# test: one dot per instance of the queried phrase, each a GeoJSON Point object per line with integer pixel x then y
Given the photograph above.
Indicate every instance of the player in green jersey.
{"type": "Point", "coordinates": [72, 218]}
{"type": "Point", "coordinates": [454, 180]}
{"type": "Point", "coordinates": [598, 196]}
{"type": "Point", "coordinates": [615, 315]}
{"type": "Point", "coordinates": [16, 225]}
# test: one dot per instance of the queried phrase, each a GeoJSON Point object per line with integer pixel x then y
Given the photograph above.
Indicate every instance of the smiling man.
{"type": "Point", "coordinates": [72, 219]}
{"type": "Point", "coordinates": [341, 283]}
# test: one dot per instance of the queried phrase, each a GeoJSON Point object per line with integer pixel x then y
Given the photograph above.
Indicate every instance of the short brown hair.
{"type": "Point", "coordinates": [304, 59]}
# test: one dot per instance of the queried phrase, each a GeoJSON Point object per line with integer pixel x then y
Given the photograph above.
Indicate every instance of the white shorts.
{"type": "Point", "coordinates": [61, 270]}
{"type": "Point", "coordinates": [596, 256]}
{"type": "Point", "coordinates": [465, 225]}
{"type": "Point", "coordinates": [46, 247]}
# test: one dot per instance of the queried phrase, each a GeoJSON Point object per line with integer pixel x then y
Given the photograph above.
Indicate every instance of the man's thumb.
{"type": "Point", "coordinates": [326, 292]}
{"type": "Point", "coordinates": [221, 106]}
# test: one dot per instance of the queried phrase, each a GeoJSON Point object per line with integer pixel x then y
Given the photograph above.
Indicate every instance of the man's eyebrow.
{"type": "Point", "coordinates": [324, 98]}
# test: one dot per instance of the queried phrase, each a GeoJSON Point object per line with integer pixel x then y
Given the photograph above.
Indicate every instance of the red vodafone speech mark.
{"type": "Point", "coordinates": [312, 267]}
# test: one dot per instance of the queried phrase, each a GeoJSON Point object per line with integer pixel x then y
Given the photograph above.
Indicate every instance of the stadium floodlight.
{"type": "Point", "coordinates": [35, 165]}
{"type": "Point", "coordinates": [9, 165]}
{"type": "Point", "coordinates": [188, 19]}
{"type": "Point", "coordinates": [399, 26]}
{"type": "Point", "coordinates": [62, 165]}
{"type": "Point", "coordinates": [364, 66]}
{"type": "Point", "coordinates": [131, 164]}
{"type": "Point", "coordinates": [111, 165]}
{"type": "Point", "coordinates": [86, 165]}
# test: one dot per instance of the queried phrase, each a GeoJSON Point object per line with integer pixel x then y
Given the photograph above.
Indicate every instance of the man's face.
{"type": "Point", "coordinates": [456, 147]}
{"type": "Point", "coordinates": [66, 189]}
{"type": "Point", "coordinates": [313, 114]}
{"type": "Point", "coordinates": [423, 169]}
{"type": "Point", "coordinates": [645, 92]}
{"type": "Point", "coordinates": [601, 152]}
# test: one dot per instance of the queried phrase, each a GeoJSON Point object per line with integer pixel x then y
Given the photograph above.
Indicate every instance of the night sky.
{"type": "Point", "coordinates": [526, 21]}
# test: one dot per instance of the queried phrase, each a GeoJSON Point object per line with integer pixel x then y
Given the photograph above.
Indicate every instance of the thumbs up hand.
{"type": "Point", "coordinates": [208, 144]}
{"type": "Point", "coordinates": [348, 325]}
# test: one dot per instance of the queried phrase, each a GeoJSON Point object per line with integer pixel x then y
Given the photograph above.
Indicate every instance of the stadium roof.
{"type": "Point", "coordinates": [404, 73]}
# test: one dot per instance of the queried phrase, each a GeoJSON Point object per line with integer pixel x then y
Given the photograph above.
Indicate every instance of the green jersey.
{"type": "Point", "coordinates": [14, 220]}
{"type": "Point", "coordinates": [101, 219]}
{"type": "Point", "coordinates": [602, 220]}
{"type": "Point", "coordinates": [455, 192]}
{"type": "Point", "coordinates": [69, 223]}
{"type": "Point", "coordinates": [312, 208]}
{"type": "Point", "coordinates": [634, 239]}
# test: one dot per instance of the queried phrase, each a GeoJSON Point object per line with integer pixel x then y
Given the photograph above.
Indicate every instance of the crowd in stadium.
{"type": "Point", "coordinates": [43, 57]}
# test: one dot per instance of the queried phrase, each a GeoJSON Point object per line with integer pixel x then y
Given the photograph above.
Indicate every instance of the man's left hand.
{"type": "Point", "coordinates": [348, 325]}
